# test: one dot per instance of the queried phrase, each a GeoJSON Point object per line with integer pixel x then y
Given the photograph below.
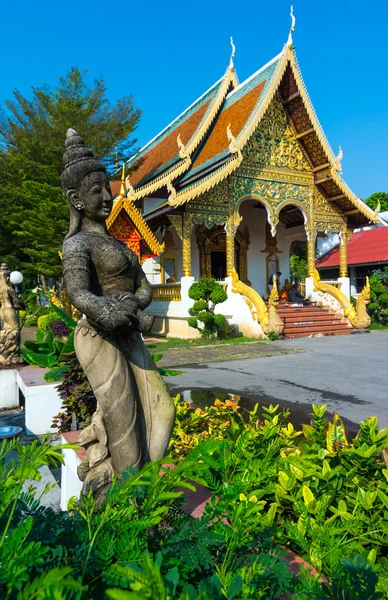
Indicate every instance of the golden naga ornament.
{"type": "Point", "coordinates": [357, 317]}
{"type": "Point", "coordinates": [269, 319]}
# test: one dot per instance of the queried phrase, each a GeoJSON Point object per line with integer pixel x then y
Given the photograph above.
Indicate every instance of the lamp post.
{"type": "Point", "coordinates": [16, 279]}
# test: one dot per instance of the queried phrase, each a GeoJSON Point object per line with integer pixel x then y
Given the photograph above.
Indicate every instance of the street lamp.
{"type": "Point", "coordinates": [16, 279]}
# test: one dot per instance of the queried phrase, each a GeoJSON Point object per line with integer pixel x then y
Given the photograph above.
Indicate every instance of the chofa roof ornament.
{"type": "Point", "coordinates": [231, 64]}
{"type": "Point", "coordinates": [289, 41]}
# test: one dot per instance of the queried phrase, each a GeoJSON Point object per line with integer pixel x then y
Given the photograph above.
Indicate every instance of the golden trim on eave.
{"type": "Point", "coordinates": [229, 78]}
{"type": "Point", "coordinates": [206, 184]}
{"type": "Point", "coordinates": [359, 204]}
{"type": "Point", "coordinates": [138, 221]}
{"type": "Point", "coordinates": [288, 56]}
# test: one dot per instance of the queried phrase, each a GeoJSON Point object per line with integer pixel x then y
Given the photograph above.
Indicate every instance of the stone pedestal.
{"type": "Point", "coordinates": [41, 399]}
{"type": "Point", "coordinates": [9, 392]}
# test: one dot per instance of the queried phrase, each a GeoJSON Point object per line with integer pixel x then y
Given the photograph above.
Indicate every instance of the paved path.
{"type": "Point", "coordinates": [221, 352]}
{"type": "Point", "coordinates": [348, 373]}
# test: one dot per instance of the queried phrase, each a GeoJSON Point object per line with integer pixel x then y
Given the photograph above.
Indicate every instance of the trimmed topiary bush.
{"type": "Point", "coordinates": [207, 293]}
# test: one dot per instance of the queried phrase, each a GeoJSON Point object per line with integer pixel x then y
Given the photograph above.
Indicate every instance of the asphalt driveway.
{"type": "Point", "coordinates": [348, 373]}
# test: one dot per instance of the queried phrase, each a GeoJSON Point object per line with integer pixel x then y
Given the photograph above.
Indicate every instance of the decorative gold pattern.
{"type": "Point", "coordinates": [176, 222]}
{"type": "Point", "coordinates": [231, 228]}
{"type": "Point", "coordinates": [273, 144]}
{"type": "Point", "coordinates": [275, 324]}
{"type": "Point", "coordinates": [216, 239]}
{"type": "Point", "coordinates": [358, 317]}
{"type": "Point", "coordinates": [343, 249]}
{"type": "Point", "coordinates": [186, 246]}
{"type": "Point", "coordinates": [311, 238]}
{"type": "Point", "coordinates": [255, 302]}
{"type": "Point", "coordinates": [169, 292]}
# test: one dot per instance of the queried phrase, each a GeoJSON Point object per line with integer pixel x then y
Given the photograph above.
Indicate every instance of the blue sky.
{"type": "Point", "coordinates": [166, 54]}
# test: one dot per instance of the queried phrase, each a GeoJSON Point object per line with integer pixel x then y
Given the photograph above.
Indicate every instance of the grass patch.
{"type": "Point", "coordinates": [179, 343]}
{"type": "Point", "coordinates": [377, 327]}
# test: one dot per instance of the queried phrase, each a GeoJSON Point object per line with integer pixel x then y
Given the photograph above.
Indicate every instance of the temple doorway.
{"type": "Point", "coordinates": [218, 264]}
{"type": "Point", "coordinates": [212, 252]}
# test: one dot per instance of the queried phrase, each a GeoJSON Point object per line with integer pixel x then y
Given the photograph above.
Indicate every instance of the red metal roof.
{"type": "Point", "coordinates": [369, 246]}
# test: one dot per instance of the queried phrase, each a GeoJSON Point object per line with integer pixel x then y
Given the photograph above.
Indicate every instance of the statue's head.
{"type": "Point", "coordinates": [85, 183]}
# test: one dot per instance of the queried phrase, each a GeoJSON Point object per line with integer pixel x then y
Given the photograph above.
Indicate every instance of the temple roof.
{"type": "Point", "coordinates": [168, 154]}
{"type": "Point", "coordinates": [238, 110]}
{"type": "Point", "coordinates": [124, 206]}
{"type": "Point", "coordinates": [214, 130]}
{"type": "Point", "coordinates": [365, 247]}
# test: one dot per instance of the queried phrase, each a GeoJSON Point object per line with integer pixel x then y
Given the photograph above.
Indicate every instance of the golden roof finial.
{"type": "Point", "coordinates": [128, 186]}
{"type": "Point", "coordinates": [122, 187]}
{"type": "Point", "coordinates": [231, 64]}
{"type": "Point", "coordinates": [181, 146]}
{"type": "Point", "coordinates": [172, 191]}
{"type": "Point", "coordinates": [289, 41]}
{"type": "Point", "coordinates": [377, 209]}
{"type": "Point", "coordinates": [338, 159]}
{"type": "Point", "coordinates": [232, 140]}
{"type": "Point", "coordinates": [116, 159]}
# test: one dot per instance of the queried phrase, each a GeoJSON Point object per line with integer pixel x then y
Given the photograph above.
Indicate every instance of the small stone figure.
{"type": "Point", "coordinates": [105, 282]}
{"type": "Point", "coordinates": [10, 332]}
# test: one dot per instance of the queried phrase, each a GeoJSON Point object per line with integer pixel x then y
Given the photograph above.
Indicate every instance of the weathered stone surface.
{"type": "Point", "coordinates": [105, 281]}
{"type": "Point", "coordinates": [10, 332]}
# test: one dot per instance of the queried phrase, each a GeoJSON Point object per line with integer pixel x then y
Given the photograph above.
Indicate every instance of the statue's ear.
{"type": "Point", "coordinates": [74, 199]}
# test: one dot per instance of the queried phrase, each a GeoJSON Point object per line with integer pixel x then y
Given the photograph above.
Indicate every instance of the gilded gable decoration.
{"type": "Point", "coordinates": [273, 144]}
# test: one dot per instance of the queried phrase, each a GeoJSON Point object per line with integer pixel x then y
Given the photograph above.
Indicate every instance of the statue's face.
{"type": "Point", "coordinates": [96, 197]}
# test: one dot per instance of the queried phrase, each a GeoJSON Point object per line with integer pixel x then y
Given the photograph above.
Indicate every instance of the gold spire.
{"type": "Point", "coordinates": [289, 41]}
{"type": "Point", "coordinates": [122, 187]}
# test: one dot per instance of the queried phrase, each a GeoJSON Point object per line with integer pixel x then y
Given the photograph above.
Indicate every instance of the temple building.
{"type": "Point", "coordinates": [126, 224]}
{"type": "Point", "coordinates": [228, 187]}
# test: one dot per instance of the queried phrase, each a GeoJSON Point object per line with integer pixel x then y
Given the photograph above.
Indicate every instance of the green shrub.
{"type": "Point", "coordinates": [207, 293]}
{"type": "Point", "coordinates": [45, 321]}
{"type": "Point", "coordinates": [31, 321]}
{"type": "Point", "coordinates": [312, 491]}
{"type": "Point", "coordinates": [378, 307]}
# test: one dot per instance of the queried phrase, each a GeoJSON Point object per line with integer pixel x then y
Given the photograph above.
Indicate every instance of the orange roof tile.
{"type": "Point", "coordinates": [167, 149]}
{"type": "Point", "coordinates": [236, 114]}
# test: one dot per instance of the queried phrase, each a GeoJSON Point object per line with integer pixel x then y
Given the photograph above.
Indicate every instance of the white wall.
{"type": "Point", "coordinates": [255, 219]}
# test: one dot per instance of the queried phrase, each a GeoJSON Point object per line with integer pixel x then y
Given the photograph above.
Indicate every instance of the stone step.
{"type": "Point", "coordinates": [306, 334]}
{"type": "Point", "coordinates": [316, 328]}
{"type": "Point", "coordinates": [312, 319]}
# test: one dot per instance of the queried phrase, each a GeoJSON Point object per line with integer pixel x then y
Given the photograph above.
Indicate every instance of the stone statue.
{"type": "Point", "coordinates": [105, 282]}
{"type": "Point", "coordinates": [10, 332]}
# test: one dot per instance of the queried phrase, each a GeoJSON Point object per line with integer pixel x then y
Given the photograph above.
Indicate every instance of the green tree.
{"type": "Point", "coordinates": [33, 208]}
{"type": "Point", "coordinates": [377, 197]}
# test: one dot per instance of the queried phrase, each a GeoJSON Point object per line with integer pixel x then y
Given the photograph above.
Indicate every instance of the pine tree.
{"type": "Point", "coordinates": [33, 208]}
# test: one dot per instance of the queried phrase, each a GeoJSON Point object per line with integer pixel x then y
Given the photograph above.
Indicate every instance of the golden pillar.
{"type": "Point", "coordinates": [186, 246]}
{"type": "Point", "coordinates": [231, 227]}
{"type": "Point", "coordinates": [345, 238]}
{"type": "Point", "coordinates": [311, 238]}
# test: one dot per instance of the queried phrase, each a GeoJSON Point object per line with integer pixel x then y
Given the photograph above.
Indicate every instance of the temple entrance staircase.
{"type": "Point", "coordinates": [303, 321]}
